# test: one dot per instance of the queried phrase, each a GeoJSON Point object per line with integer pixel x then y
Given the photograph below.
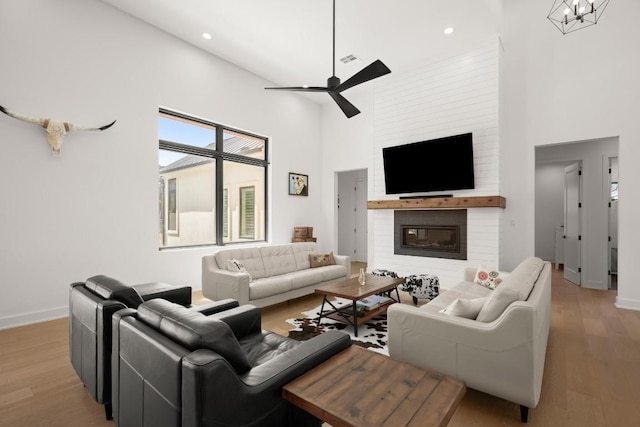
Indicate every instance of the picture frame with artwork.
{"type": "Point", "coordinates": [298, 184]}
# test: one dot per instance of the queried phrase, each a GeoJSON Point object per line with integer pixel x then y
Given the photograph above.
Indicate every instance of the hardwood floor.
{"type": "Point", "coordinates": [591, 378]}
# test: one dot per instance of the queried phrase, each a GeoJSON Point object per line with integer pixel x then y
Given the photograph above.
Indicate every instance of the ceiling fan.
{"type": "Point", "coordinates": [334, 87]}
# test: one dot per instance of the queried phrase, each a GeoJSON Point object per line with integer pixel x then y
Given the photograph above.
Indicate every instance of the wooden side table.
{"type": "Point", "coordinates": [361, 388]}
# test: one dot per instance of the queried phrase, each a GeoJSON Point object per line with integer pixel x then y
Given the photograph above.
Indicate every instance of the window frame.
{"type": "Point", "coordinates": [220, 156]}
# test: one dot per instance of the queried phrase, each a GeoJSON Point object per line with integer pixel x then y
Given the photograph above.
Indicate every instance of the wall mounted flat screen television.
{"type": "Point", "coordinates": [434, 165]}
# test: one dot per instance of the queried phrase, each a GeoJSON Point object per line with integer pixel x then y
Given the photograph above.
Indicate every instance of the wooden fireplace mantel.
{"type": "Point", "coordinates": [440, 203]}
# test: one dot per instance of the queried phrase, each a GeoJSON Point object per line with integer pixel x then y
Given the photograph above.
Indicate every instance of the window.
{"type": "Point", "coordinates": [225, 214]}
{"type": "Point", "coordinates": [247, 212]}
{"type": "Point", "coordinates": [172, 224]}
{"type": "Point", "coordinates": [213, 183]}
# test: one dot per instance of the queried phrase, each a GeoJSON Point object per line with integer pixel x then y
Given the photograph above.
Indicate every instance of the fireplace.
{"type": "Point", "coordinates": [431, 233]}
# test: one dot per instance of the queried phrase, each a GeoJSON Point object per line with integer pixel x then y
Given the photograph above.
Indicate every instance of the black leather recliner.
{"type": "Point", "coordinates": [91, 305]}
{"type": "Point", "coordinates": [173, 367]}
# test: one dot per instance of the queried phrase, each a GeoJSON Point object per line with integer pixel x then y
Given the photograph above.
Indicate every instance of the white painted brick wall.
{"type": "Point", "coordinates": [448, 97]}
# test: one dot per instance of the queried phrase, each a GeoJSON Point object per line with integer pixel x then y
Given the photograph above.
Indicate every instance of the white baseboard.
{"type": "Point", "coordinates": [34, 317]}
{"type": "Point", "coordinates": [629, 304]}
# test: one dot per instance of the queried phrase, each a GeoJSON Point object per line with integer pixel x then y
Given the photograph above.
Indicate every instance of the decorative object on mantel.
{"type": "Point", "coordinates": [372, 71]}
{"type": "Point", "coordinates": [298, 184]}
{"type": "Point", "coordinates": [55, 129]}
{"type": "Point", "coordinates": [440, 203]}
{"type": "Point", "coordinates": [573, 15]}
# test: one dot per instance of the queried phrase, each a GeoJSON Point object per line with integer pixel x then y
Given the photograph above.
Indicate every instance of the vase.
{"type": "Point", "coordinates": [362, 278]}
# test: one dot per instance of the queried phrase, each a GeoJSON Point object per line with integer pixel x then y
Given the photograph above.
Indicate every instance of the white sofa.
{"type": "Point", "coordinates": [502, 357]}
{"type": "Point", "coordinates": [274, 274]}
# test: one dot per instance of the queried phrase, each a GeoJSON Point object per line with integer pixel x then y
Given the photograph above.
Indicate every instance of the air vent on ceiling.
{"type": "Point", "coordinates": [348, 58]}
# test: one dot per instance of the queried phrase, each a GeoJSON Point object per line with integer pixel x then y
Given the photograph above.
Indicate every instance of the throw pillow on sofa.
{"type": "Point", "coordinates": [467, 308]}
{"type": "Point", "coordinates": [487, 277]}
{"type": "Point", "coordinates": [236, 266]}
{"type": "Point", "coordinates": [497, 303]}
{"type": "Point", "coordinates": [321, 260]}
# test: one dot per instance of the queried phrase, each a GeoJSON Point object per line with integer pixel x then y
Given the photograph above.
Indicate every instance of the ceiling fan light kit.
{"type": "Point", "coordinates": [334, 86]}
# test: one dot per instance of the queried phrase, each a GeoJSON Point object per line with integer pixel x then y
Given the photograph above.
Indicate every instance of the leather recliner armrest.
{"type": "Point", "coordinates": [243, 320]}
{"type": "Point", "coordinates": [213, 307]}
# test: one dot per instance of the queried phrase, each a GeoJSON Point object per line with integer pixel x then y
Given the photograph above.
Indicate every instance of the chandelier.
{"type": "Point", "coordinates": [573, 15]}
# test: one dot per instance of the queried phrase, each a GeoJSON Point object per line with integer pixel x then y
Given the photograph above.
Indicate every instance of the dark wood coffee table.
{"type": "Point", "coordinates": [352, 289]}
{"type": "Point", "coordinates": [359, 387]}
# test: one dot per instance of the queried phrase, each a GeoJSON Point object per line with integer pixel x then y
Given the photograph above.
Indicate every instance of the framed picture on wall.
{"type": "Point", "coordinates": [298, 184]}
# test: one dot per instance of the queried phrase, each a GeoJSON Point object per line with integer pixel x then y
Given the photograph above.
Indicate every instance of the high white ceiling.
{"type": "Point", "coordinates": [289, 42]}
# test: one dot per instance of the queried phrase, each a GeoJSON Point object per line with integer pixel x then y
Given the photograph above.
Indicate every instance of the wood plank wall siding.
{"type": "Point", "coordinates": [440, 203]}
{"type": "Point", "coordinates": [447, 95]}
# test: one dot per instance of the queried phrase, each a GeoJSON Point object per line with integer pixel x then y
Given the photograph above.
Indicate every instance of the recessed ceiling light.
{"type": "Point", "coordinates": [206, 36]}
{"type": "Point", "coordinates": [305, 86]}
{"type": "Point", "coordinates": [449, 30]}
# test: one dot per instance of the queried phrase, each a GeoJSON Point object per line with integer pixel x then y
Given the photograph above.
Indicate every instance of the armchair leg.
{"type": "Point", "coordinates": [524, 413]}
{"type": "Point", "coordinates": [107, 411]}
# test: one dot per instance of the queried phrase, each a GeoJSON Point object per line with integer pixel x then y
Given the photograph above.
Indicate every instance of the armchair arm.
{"type": "Point", "coordinates": [213, 307]}
{"type": "Point", "coordinates": [345, 261]}
{"type": "Point", "coordinates": [243, 320]}
{"type": "Point", "coordinates": [214, 394]}
{"type": "Point", "coordinates": [218, 283]}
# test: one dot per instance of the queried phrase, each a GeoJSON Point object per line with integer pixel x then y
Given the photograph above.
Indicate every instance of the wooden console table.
{"type": "Point", "coordinates": [360, 388]}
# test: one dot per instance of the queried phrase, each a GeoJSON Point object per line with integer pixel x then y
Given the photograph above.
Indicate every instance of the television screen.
{"type": "Point", "coordinates": [434, 165]}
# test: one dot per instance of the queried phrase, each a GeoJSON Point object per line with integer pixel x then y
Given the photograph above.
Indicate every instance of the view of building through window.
{"type": "Point", "coordinates": [199, 206]}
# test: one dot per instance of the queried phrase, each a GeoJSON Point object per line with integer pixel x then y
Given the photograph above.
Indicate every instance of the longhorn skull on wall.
{"type": "Point", "coordinates": [55, 129]}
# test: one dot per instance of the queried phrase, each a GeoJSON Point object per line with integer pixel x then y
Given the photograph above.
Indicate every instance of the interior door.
{"type": "Point", "coordinates": [361, 220]}
{"type": "Point", "coordinates": [572, 236]}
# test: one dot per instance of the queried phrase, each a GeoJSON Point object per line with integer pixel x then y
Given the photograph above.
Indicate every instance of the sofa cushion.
{"type": "Point", "coordinates": [467, 290]}
{"type": "Point", "coordinates": [249, 257]}
{"type": "Point", "coordinates": [467, 308]}
{"type": "Point", "coordinates": [194, 330]}
{"type": "Point", "coordinates": [523, 277]}
{"type": "Point", "coordinates": [499, 300]}
{"type": "Point", "coordinates": [488, 277]}
{"type": "Point", "coordinates": [301, 251]}
{"type": "Point", "coordinates": [268, 286]}
{"type": "Point", "coordinates": [321, 260]}
{"type": "Point", "coordinates": [264, 346]}
{"type": "Point", "coordinates": [278, 259]}
{"type": "Point", "coordinates": [332, 272]}
{"type": "Point", "coordinates": [304, 278]}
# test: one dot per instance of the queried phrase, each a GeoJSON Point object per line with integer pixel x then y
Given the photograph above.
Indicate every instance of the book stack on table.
{"type": "Point", "coordinates": [371, 302]}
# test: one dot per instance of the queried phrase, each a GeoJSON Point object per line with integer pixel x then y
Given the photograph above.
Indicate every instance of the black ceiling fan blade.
{"type": "Point", "coordinates": [301, 88]}
{"type": "Point", "coordinates": [372, 71]}
{"type": "Point", "coordinates": [347, 108]}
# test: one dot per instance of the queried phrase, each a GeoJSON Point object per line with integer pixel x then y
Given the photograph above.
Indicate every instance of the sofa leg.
{"type": "Point", "coordinates": [107, 411]}
{"type": "Point", "coordinates": [524, 413]}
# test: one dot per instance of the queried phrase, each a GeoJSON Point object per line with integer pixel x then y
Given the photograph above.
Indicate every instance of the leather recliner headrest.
{"type": "Point", "coordinates": [194, 330]}
{"type": "Point", "coordinates": [109, 288]}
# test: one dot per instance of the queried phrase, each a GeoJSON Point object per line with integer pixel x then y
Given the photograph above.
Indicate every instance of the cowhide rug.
{"type": "Point", "coordinates": [372, 334]}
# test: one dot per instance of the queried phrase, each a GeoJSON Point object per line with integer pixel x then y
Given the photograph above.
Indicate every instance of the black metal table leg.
{"type": "Point", "coordinates": [355, 319]}
{"type": "Point", "coordinates": [321, 311]}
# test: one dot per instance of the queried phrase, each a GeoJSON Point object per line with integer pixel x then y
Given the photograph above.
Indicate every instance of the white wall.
{"type": "Point", "coordinates": [94, 210]}
{"type": "Point", "coordinates": [560, 88]}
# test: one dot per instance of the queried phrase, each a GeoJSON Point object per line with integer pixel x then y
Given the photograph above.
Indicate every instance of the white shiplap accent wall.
{"type": "Point", "coordinates": [447, 97]}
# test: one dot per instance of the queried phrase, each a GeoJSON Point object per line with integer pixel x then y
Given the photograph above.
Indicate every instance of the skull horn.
{"type": "Point", "coordinates": [55, 129]}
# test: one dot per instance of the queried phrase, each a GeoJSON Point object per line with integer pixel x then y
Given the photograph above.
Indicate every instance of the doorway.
{"type": "Point", "coordinates": [572, 222]}
{"type": "Point", "coordinates": [352, 214]}
{"type": "Point", "coordinates": [590, 257]}
{"type": "Point", "coordinates": [614, 182]}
